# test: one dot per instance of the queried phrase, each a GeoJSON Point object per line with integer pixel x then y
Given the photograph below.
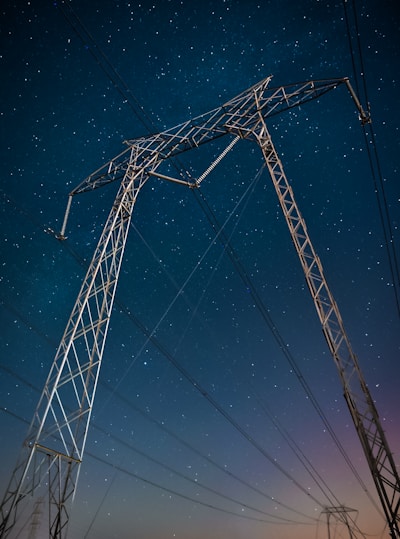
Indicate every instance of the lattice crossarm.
{"type": "Point", "coordinates": [238, 115]}
{"type": "Point", "coordinates": [246, 111]}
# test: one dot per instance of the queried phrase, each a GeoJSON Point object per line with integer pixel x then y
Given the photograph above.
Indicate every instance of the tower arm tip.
{"type": "Point", "coordinates": [365, 117]}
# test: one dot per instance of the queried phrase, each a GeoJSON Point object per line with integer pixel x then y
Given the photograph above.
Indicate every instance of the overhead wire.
{"type": "Point", "coordinates": [229, 418]}
{"type": "Point", "coordinates": [180, 495]}
{"type": "Point", "coordinates": [277, 519]}
{"type": "Point", "coordinates": [259, 303]}
{"type": "Point", "coordinates": [195, 482]}
{"type": "Point", "coordinates": [357, 60]}
{"type": "Point", "coordinates": [161, 425]}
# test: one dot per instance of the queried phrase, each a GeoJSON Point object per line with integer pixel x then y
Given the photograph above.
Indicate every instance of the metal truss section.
{"type": "Point", "coordinates": [356, 392]}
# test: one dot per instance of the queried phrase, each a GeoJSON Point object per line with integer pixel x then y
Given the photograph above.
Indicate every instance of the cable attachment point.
{"type": "Point", "coordinates": [365, 117]}
{"type": "Point", "coordinates": [61, 235]}
{"type": "Point", "coordinates": [57, 235]}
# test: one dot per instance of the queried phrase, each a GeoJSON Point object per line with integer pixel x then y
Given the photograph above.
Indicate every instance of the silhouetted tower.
{"type": "Point", "coordinates": [54, 448]}
{"type": "Point", "coordinates": [340, 514]}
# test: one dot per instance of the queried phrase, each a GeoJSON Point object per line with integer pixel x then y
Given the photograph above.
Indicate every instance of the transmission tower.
{"type": "Point", "coordinates": [340, 513]}
{"type": "Point", "coordinates": [54, 448]}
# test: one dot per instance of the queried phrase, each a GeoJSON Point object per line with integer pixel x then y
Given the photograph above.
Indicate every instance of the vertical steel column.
{"type": "Point", "coordinates": [56, 440]}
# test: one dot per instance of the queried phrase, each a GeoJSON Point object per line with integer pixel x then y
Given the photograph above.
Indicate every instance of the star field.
{"type": "Point", "coordinates": [212, 418]}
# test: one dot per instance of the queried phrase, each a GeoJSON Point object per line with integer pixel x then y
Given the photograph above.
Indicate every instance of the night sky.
{"type": "Point", "coordinates": [79, 78]}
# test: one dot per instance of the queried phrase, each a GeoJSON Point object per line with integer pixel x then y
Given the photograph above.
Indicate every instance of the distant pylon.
{"type": "Point", "coordinates": [341, 514]}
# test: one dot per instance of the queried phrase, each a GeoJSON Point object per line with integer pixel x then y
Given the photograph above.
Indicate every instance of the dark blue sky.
{"type": "Point", "coordinates": [78, 78]}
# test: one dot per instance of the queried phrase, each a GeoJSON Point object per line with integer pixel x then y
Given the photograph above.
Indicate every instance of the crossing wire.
{"type": "Point", "coordinates": [259, 303]}
{"type": "Point", "coordinates": [161, 487]}
{"type": "Point", "coordinates": [278, 519]}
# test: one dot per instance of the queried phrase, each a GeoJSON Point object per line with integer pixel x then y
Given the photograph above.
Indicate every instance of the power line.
{"type": "Point", "coordinates": [219, 233]}
{"type": "Point", "coordinates": [277, 519]}
{"type": "Point", "coordinates": [178, 494]}
{"type": "Point", "coordinates": [196, 482]}
{"type": "Point", "coordinates": [201, 389]}
{"type": "Point", "coordinates": [358, 67]}
{"type": "Point", "coordinates": [278, 337]}
{"type": "Point", "coordinates": [207, 458]}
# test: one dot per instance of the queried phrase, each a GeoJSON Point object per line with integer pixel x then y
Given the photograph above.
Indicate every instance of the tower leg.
{"type": "Point", "coordinates": [55, 444]}
{"type": "Point", "coordinates": [356, 392]}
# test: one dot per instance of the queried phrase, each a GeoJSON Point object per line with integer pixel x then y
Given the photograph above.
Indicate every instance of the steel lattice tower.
{"type": "Point", "coordinates": [55, 444]}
